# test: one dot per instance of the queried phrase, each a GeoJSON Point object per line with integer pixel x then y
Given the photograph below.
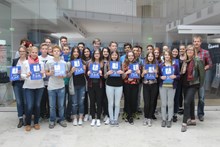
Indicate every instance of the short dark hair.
{"type": "Point", "coordinates": [63, 37]}
{"type": "Point", "coordinates": [81, 43]}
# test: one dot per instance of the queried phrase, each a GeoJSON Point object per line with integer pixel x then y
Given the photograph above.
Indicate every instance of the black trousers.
{"type": "Point", "coordinates": [131, 96]}
{"type": "Point", "coordinates": [86, 105]}
{"type": "Point", "coordinates": [44, 105]}
{"type": "Point", "coordinates": [189, 103]}
{"type": "Point", "coordinates": [95, 95]}
{"type": "Point", "coordinates": [150, 95]}
{"type": "Point", "coordinates": [105, 102]}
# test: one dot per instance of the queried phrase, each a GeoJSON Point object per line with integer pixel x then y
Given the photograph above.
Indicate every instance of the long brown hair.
{"type": "Point", "coordinates": [126, 62]}
{"type": "Point", "coordinates": [146, 58]}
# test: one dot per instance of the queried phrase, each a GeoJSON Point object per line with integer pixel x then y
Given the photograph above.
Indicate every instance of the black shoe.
{"type": "Point", "coordinates": [68, 119]}
{"type": "Point", "coordinates": [201, 118]}
{"type": "Point", "coordinates": [131, 121]}
{"type": "Point", "coordinates": [181, 111]}
{"type": "Point", "coordinates": [139, 111]}
{"type": "Point", "coordinates": [174, 118]}
{"type": "Point", "coordinates": [154, 117]}
{"type": "Point", "coordinates": [20, 123]}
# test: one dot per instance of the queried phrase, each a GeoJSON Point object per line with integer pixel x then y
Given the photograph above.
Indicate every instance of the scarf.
{"type": "Point", "coordinates": [33, 61]}
{"type": "Point", "coordinates": [190, 68]}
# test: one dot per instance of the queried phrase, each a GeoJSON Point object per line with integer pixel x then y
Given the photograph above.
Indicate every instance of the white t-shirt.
{"type": "Point", "coordinates": [45, 59]}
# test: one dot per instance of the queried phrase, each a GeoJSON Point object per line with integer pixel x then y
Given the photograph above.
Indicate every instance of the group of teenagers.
{"type": "Point", "coordinates": [165, 73]}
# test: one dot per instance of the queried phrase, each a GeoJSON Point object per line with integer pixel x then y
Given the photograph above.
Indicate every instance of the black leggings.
{"type": "Point", "coordinates": [95, 95]}
{"type": "Point", "coordinates": [189, 103]}
{"type": "Point", "coordinates": [131, 97]}
{"type": "Point", "coordinates": [150, 95]}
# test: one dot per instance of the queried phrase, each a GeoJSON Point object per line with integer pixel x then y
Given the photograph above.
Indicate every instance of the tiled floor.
{"type": "Point", "coordinates": [205, 134]}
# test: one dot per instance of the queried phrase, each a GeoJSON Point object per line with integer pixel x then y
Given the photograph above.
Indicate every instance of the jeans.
{"type": "Point", "coordinates": [149, 94]}
{"type": "Point", "coordinates": [167, 101]}
{"type": "Point", "coordinates": [33, 99]}
{"type": "Point", "coordinates": [189, 103]}
{"type": "Point", "coordinates": [114, 96]}
{"type": "Point", "coordinates": [201, 102]}
{"type": "Point", "coordinates": [78, 100]}
{"type": "Point", "coordinates": [20, 98]}
{"type": "Point", "coordinates": [56, 96]}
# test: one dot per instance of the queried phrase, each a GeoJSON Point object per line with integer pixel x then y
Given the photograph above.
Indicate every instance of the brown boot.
{"type": "Point", "coordinates": [28, 128]}
{"type": "Point", "coordinates": [37, 127]}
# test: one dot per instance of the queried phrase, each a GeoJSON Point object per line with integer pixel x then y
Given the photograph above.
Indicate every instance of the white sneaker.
{"type": "Point", "coordinates": [75, 122]}
{"type": "Point", "coordinates": [98, 123]}
{"type": "Point", "coordinates": [149, 122]}
{"type": "Point", "coordinates": [90, 117]}
{"type": "Point", "coordinates": [105, 118]}
{"type": "Point", "coordinates": [107, 121]}
{"type": "Point", "coordinates": [93, 122]}
{"type": "Point", "coordinates": [86, 117]}
{"type": "Point", "coordinates": [80, 121]}
{"type": "Point", "coordinates": [145, 122]}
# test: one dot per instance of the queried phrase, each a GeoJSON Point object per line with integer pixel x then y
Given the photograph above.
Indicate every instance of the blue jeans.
{"type": "Point", "coordinates": [201, 102]}
{"type": "Point", "coordinates": [33, 99]}
{"type": "Point", "coordinates": [78, 100]}
{"type": "Point", "coordinates": [56, 96]}
{"type": "Point", "coordinates": [20, 98]}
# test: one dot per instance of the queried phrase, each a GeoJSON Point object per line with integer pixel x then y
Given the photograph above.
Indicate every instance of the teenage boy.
{"type": "Point", "coordinates": [68, 107]}
{"type": "Point", "coordinates": [81, 46]}
{"type": "Point", "coordinates": [44, 57]}
{"type": "Point", "coordinates": [56, 87]}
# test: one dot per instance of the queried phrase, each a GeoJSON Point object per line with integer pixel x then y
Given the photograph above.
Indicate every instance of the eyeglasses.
{"type": "Point", "coordinates": [22, 51]}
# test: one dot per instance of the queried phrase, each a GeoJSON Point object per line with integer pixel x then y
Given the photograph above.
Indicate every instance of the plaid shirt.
{"type": "Point", "coordinates": [205, 57]}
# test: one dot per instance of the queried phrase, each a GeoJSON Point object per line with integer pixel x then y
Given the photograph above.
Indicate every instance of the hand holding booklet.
{"type": "Point", "coordinates": [77, 63]}
{"type": "Point", "coordinates": [35, 70]}
{"type": "Point", "coordinates": [134, 67]}
{"type": "Point", "coordinates": [59, 69]}
{"type": "Point", "coordinates": [15, 73]}
{"type": "Point", "coordinates": [94, 71]}
{"type": "Point", "coordinates": [115, 66]}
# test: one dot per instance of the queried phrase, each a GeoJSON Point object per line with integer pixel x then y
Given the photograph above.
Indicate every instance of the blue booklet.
{"type": "Point", "coordinates": [59, 69]}
{"type": "Point", "coordinates": [35, 70]}
{"type": "Point", "coordinates": [168, 71]}
{"type": "Point", "coordinates": [134, 74]}
{"type": "Point", "coordinates": [115, 66]}
{"type": "Point", "coordinates": [176, 62]}
{"type": "Point", "coordinates": [77, 63]}
{"type": "Point", "coordinates": [15, 73]}
{"type": "Point", "coordinates": [94, 71]}
{"type": "Point", "coordinates": [151, 75]}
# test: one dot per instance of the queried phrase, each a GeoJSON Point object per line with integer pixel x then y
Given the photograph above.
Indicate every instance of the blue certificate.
{"type": "Point", "coordinates": [168, 71]}
{"type": "Point", "coordinates": [77, 63]}
{"type": "Point", "coordinates": [151, 75]}
{"type": "Point", "coordinates": [59, 69]}
{"type": "Point", "coordinates": [115, 66]}
{"type": "Point", "coordinates": [94, 71]}
{"type": "Point", "coordinates": [35, 71]}
{"type": "Point", "coordinates": [134, 74]}
{"type": "Point", "coordinates": [15, 73]}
